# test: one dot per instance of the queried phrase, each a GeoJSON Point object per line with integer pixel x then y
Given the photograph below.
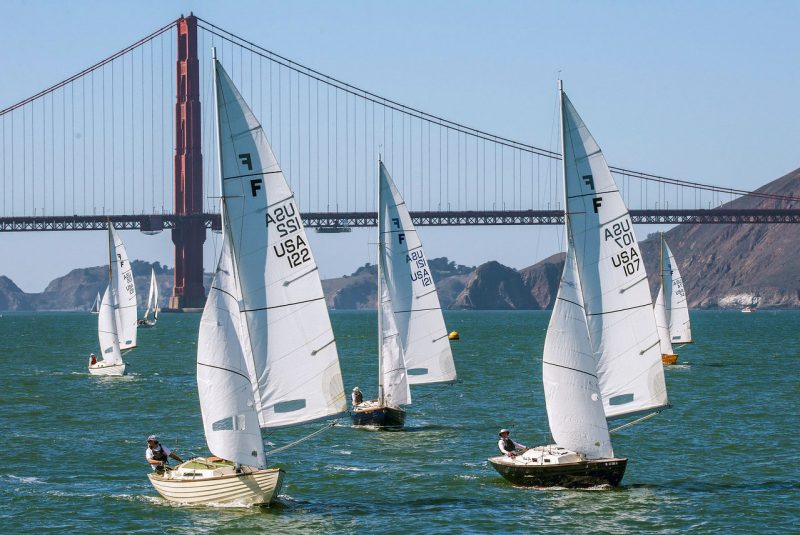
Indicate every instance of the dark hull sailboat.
{"type": "Point", "coordinates": [581, 474]}
{"type": "Point", "coordinates": [376, 416]}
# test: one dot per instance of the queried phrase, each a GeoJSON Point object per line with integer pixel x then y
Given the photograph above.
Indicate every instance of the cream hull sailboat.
{"type": "Point", "coordinates": [203, 481]}
{"type": "Point", "coordinates": [266, 355]}
{"type": "Point", "coordinates": [152, 303]}
{"type": "Point", "coordinates": [601, 358]}
{"type": "Point", "coordinates": [110, 362]}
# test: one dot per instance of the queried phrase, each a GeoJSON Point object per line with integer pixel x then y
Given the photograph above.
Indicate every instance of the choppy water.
{"type": "Point", "coordinates": [723, 460]}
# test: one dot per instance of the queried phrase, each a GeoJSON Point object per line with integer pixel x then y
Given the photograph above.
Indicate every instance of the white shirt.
{"type": "Point", "coordinates": [517, 446]}
{"type": "Point", "coordinates": [149, 453]}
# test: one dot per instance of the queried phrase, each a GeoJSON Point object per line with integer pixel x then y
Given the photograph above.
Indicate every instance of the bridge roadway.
{"type": "Point", "coordinates": [345, 221]}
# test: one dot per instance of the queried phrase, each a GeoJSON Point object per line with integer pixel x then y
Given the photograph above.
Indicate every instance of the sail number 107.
{"type": "Point", "coordinates": [628, 259]}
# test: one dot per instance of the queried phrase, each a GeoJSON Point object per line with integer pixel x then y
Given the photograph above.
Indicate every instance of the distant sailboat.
{"type": "Point", "coordinates": [601, 356]}
{"type": "Point", "coordinates": [413, 343]}
{"type": "Point", "coordinates": [125, 305]}
{"type": "Point", "coordinates": [753, 306]}
{"type": "Point", "coordinates": [670, 308]}
{"type": "Point", "coordinates": [96, 305]}
{"type": "Point", "coordinates": [152, 303]}
{"type": "Point", "coordinates": [107, 328]}
{"type": "Point", "coordinates": [266, 355]}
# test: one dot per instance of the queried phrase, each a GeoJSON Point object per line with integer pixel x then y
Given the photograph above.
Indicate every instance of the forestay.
{"type": "Point", "coordinates": [616, 296]}
{"type": "Point", "coordinates": [223, 382]}
{"type": "Point", "coordinates": [571, 389]}
{"type": "Point", "coordinates": [676, 308]}
{"type": "Point", "coordinates": [122, 280]}
{"type": "Point", "coordinates": [415, 303]}
{"type": "Point", "coordinates": [291, 355]}
{"type": "Point", "coordinates": [107, 328]}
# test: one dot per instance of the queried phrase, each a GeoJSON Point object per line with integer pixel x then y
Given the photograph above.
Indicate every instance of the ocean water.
{"type": "Point", "coordinates": [722, 460]}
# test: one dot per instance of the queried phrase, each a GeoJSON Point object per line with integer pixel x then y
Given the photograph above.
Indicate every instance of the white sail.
{"type": "Point", "coordinates": [394, 385]}
{"type": "Point", "coordinates": [107, 328]}
{"type": "Point", "coordinates": [223, 382]}
{"type": "Point", "coordinates": [676, 308]}
{"type": "Point", "coordinates": [662, 324]}
{"type": "Point", "coordinates": [571, 389]}
{"type": "Point", "coordinates": [122, 280]}
{"type": "Point", "coordinates": [415, 303]}
{"type": "Point", "coordinates": [152, 296]}
{"type": "Point", "coordinates": [96, 305]}
{"type": "Point", "coordinates": [291, 352]}
{"type": "Point", "coordinates": [616, 296]}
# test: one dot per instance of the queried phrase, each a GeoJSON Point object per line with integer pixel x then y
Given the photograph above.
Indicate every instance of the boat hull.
{"type": "Point", "coordinates": [107, 370]}
{"type": "Point", "coordinates": [386, 417]}
{"type": "Point", "coordinates": [668, 360]}
{"type": "Point", "coordinates": [259, 487]}
{"type": "Point", "coordinates": [580, 474]}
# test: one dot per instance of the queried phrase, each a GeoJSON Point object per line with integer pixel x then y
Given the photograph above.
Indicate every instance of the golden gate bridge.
{"type": "Point", "coordinates": [122, 142]}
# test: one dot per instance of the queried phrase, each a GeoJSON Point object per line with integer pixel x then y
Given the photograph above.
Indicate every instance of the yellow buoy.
{"type": "Point", "coordinates": [453, 335]}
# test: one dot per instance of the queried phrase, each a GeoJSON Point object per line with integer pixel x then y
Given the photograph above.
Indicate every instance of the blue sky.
{"type": "Point", "coordinates": [704, 91]}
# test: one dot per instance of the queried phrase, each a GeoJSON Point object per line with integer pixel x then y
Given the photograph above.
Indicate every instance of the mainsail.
{"type": "Point", "coordinates": [414, 301]}
{"type": "Point", "coordinates": [107, 328]}
{"type": "Point", "coordinates": [152, 296]}
{"type": "Point", "coordinates": [675, 307]}
{"type": "Point", "coordinates": [122, 281]}
{"type": "Point", "coordinates": [96, 305]}
{"type": "Point", "coordinates": [616, 297]}
{"type": "Point", "coordinates": [287, 339]}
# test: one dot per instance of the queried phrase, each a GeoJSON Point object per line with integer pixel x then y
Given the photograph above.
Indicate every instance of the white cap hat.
{"type": "Point", "coordinates": [152, 437]}
{"type": "Point", "coordinates": [356, 389]}
{"type": "Point", "coordinates": [504, 430]}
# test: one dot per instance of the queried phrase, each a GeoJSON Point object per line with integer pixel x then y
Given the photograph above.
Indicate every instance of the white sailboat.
{"type": "Point", "coordinates": [152, 303]}
{"type": "Point", "coordinates": [601, 356]}
{"type": "Point", "coordinates": [266, 354]}
{"type": "Point", "coordinates": [95, 309]}
{"type": "Point", "coordinates": [670, 308]}
{"type": "Point", "coordinates": [414, 347]}
{"type": "Point", "coordinates": [110, 362]}
{"type": "Point", "coordinates": [122, 281]}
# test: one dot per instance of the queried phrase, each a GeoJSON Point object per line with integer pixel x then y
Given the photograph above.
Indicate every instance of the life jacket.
{"type": "Point", "coordinates": [159, 455]}
{"type": "Point", "coordinates": [508, 444]}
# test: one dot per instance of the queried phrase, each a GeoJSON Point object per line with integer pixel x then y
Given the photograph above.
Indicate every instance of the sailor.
{"type": "Point", "coordinates": [357, 396]}
{"type": "Point", "coordinates": [158, 455]}
{"type": "Point", "coordinates": [508, 447]}
{"type": "Point", "coordinates": [92, 359]}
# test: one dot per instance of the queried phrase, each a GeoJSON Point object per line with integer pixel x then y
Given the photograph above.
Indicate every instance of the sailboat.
{"type": "Point", "coordinates": [107, 323]}
{"type": "Point", "coordinates": [601, 356]}
{"type": "Point", "coordinates": [152, 303]}
{"type": "Point", "coordinates": [670, 308]}
{"type": "Point", "coordinates": [125, 304]}
{"type": "Point", "coordinates": [96, 305]}
{"type": "Point", "coordinates": [413, 343]}
{"type": "Point", "coordinates": [266, 354]}
{"type": "Point", "coordinates": [753, 306]}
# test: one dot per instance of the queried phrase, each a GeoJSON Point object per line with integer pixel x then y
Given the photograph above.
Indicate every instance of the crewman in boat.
{"type": "Point", "coordinates": [158, 455]}
{"type": "Point", "coordinates": [508, 447]}
{"type": "Point", "coordinates": [92, 359]}
{"type": "Point", "coordinates": [357, 397]}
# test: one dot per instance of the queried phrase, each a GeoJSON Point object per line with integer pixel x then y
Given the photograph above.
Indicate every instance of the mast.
{"type": "Point", "coordinates": [380, 291]}
{"type": "Point", "coordinates": [563, 158]}
{"type": "Point", "coordinates": [661, 271]}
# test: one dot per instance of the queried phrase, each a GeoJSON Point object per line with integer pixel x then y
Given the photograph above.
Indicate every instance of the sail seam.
{"type": "Point", "coordinates": [250, 174]}
{"type": "Point", "coordinates": [284, 305]}
{"type": "Point", "coordinates": [568, 368]}
{"type": "Point", "coordinates": [416, 310]}
{"type": "Point", "coordinates": [571, 302]}
{"type": "Point", "coordinates": [223, 369]}
{"type": "Point", "coordinates": [619, 310]}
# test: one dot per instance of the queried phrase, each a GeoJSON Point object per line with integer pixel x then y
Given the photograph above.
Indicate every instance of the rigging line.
{"type": "Point", "coordinates": [301, 440]}
{"type": "Point", "coordinates": [634, 422]}
{"type": "Point", "coordinates": [90, 69]}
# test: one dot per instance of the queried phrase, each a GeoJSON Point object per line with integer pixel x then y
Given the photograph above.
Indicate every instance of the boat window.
{"type": "Point", "coordinates": [290, 406]}
{"type": "Point", "coordinates": [547, 460]}
{"type": "Point", "coordinates": [231, 423]}
{"type": "Point", "coordinates": [622, 399]}
{"type": "Point", "coordinates": [417, 371]}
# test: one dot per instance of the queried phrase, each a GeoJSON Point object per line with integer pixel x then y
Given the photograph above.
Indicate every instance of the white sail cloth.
{"type": "Point", "coordinates": [414, 301]}
{"type": "Point", "coordinates": [394, 377]}
{"type": "Point", "coordinates": [289, 347]}
{"type": "Point", "coordinates": [107, 328]}
{"type": "Point", "coordinates": [617, 300]}
{"type": "Point", "coordinates": [675, 306]}
{"type": "Point", "coordinates": [229, 414]}
{"type": "Point", "coordinates": [571, 389]}
{"type": "Point", "coordinates": [122, 280]}
{"type": "Point", "coordinates": [152, 296]}
{"type": "Point", "coordinates": [662, 324]}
